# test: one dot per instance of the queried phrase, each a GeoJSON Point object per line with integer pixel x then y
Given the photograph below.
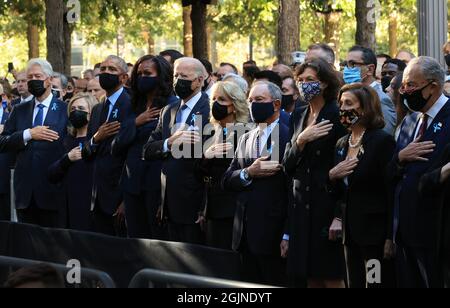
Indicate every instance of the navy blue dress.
{"type": "Point", "coordinates": [77, 179]}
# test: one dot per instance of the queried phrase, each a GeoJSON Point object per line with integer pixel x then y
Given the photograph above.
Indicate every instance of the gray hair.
{"type": "Point", "coordinates": [46, 67]}
{"type": "Point", "coordinates": [121, 62]}
{"type": "Point", "coordinates": [199, 68]}
{"type": "Point", "coordinates": [241, 82]}
{"type": "Point", "coordinates": [430, 68]}
{"type": "Point", "coordinates": [274, 90]}
{"type": "Point", "coordinates": [63, 78]}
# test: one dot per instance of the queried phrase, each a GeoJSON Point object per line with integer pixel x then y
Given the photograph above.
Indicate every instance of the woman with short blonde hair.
{"type": "Point", "coordinates": [230, 116]}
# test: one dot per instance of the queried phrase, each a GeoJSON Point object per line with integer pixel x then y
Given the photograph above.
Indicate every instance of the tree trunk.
{"type": "Point", "coordinates": [33, 40]}
{"type": "Point", "coordinates": [288, 30]}
{"type": "Point", "coordinates": [199, 36]}
{"type": "Point", "coordinates": [366, 16]}
{"type": "Point", "coordinates": [150, 43]}
{"type": "Point", "coordinates": [187, 29]}
{"type": "Point", "coordinates": [54, 22]}
{"type": "Point", "coordinates": [332, 32]}
{"type": "Point", "coordinates": [393, 44]}
{"type": "Point", "coordinates": [68, 30]}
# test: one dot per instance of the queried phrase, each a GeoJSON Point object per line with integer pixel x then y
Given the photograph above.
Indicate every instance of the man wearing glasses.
{"type": "Point", "coordinates": [361, 66]}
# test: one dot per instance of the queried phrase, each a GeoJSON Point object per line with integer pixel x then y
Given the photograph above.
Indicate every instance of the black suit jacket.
{"type": "Point", "coordinates": [106, 191]}
{"type": "Point", "coordinates": [368, 206]}
{"type": "Point", "coordinates": [431, 187]}
{"type": "Point", "coordinates": [262, 206]}
{"type": "Point", "coordinates": [181, 190]}
{"type": "Point", "coordinates": [415, 220]}
{"type": "Point", "coordinates": [33, 159]}
{"type": "Point", "coordinates": [6, 161]}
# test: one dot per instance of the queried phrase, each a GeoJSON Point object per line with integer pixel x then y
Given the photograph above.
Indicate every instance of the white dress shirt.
{"type": "Point", "coordinates": [46, 103]}
{"type": "Point", "coordinates": [113, 100]}
{"type": "Point", "coordinates": [26, 100]}
{"type": "Point", "coordinates": [432, 113]}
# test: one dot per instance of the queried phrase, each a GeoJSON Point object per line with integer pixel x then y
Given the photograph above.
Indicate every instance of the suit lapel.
{"type": "Point", "coordinates": [29, 116]}
{"type": "Point", "coordinates": [173, 113]}
{"type": "Point", "coordinates": [437, 125]}
{"type": "Point", "coordinates": [300, 126]}
{"type": "Point", "coordinates": [52, 113]}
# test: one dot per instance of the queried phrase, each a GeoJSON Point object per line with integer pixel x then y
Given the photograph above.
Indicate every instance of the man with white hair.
{"type": "Point", "coordinates": [419, 149]}
{"type": "Point", "coordinates": [35, 131]}
{"type": "Point", "coordinates": [182, 191]}
{"type": "Point", "coordinates": [256, 175]}
{"type": "Point", "coordinates": [105, 123]}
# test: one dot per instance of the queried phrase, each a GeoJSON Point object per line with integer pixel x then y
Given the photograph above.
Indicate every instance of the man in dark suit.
{"type": "Point", "coordinates": [107, 207]}
{"type": "Point", "coordinates": [256, 174]}
{"type": "Point", "coordinates": [418, 149]}
{"type": "Point", "coordinates": [22, 88]}
{"type": "Point", "coordinates": [34, 131]}
{"type": "Point", "coordinates": [437, 183]}
{"type": "Point", "coordinates": [178, 143]}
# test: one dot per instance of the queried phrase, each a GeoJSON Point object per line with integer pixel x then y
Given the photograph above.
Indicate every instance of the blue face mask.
{"type": "Point", "coordinates": [262, 111]}
{"type": "Point", "coordinates": [4, 104]}
{"type": "Point", "coordinates": [352, 75]}
{"type": "Point", "coordinates": [309, 90]}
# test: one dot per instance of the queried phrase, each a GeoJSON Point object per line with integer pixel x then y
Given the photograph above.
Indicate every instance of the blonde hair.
{"type": "Point", "coordinates": [237, 96]}
{"type": "Point", "coordinates": [89, 99]}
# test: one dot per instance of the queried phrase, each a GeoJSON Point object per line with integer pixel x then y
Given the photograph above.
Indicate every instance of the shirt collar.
{"type": "Point", "coordinates": [27, 99]}
{"type": "Point", "coordinates": [115, 96]}
{"type": "Point", "coordinates": [268, 129]}
{"type": "Point", "coordinates": [374, 84]}
{"type": "Point", "coordinates": [46, 101]}
{"type": "Point", "coordinates": [193, 101]}
{"type": "Point", "coordinates": [436, 108]}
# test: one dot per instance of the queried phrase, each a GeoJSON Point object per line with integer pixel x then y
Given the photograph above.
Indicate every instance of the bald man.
{"type": "Point", "coordinates": [177, 141]}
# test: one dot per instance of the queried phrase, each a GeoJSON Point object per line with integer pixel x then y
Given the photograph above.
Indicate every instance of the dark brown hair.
{"type": "Point", "coordinates": [372, 117]}
{"type": "Point", "coordinates": [326, 74]}
{"type": "Point", "coordinates": [42, 273]}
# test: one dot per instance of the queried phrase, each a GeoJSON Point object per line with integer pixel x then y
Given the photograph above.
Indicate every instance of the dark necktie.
{"type": "Point", "coordinates": [258, 145]}
{"type": "Point", "coordinates": [39, 119]}
{"type": "Point", "coordinates": [180, 114]}
{"type": "Point", "coordinates": [3, 119]}
{"type": "Point", "coordinates": [423, 126]}
{"type": "Point", "coordinates": [105, 112]}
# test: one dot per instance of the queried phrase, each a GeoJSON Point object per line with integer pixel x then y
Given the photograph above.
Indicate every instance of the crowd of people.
{"type": "Point", "coordinates": [308, 171]}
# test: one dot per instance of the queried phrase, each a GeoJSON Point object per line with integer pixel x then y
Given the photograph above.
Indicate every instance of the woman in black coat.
{"type": "Point", "coordinates": [230, 115]}
{"type": "Point", "coordinates": [151, 84]}
{"type": "Point", "coordinates": [75, 173]}
{"type": "Point", "coordinates": [360, 186]}
{"type": "Point", "coordinates": [436, 185]}
{"type": "Point", "coordinates": [313, 259]}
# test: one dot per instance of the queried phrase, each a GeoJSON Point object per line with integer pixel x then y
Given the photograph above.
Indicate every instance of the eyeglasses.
{"type": "Point", "coordinates": [352, 64]}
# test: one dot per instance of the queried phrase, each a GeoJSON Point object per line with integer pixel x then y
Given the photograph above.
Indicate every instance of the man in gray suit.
{"type": "Point", "coordinates": [362, 67]}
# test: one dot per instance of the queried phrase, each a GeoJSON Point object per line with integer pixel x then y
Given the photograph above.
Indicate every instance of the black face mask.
{"type": "Point", "coordinates": [349, 117]}
{"type": "Point", "coordinates": [68, 96]}
{"type": "Point", "coordinates": [262, 111]}
{"type": "Point", "coordinates": [447, 60]}
{"type": "Point", "coordinates": [147, 84]}
{"type": "Point", "coordinates": [36, 87]}
{"type": "Point", "coordinates": [109, 82]}
{"type": "Point", "coordinates": [78, 118]}
{"type": "Point", "coordinates": [415, 100]}
{"type": "Point", "coordinates": [183, 88]}
{"type": "Point", "coordinates": [386, 82]}
{"type": "Point", "coordinates": [219, 111]}
{"type": "Point", "coordinates": [206, 85]}
{"type": "Point", "coordinates": [287, 101]}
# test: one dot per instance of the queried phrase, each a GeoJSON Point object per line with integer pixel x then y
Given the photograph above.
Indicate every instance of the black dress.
{"type": "Point", "coordinates": [220, 205]}
{"type": "Point", "coordinates": [367, 206]}
{"type": "Point", "coordinates": [77, 178]}
{"type": "Point", "coordinates": [312, 210]}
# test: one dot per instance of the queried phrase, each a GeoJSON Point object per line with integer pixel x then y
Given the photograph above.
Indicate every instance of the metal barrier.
{"type": "Point", "coordinates": [92, 274]}
{"type": "Point", "coordinates": [146, 276]}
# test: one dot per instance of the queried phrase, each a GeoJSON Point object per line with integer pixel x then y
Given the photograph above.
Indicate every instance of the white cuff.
{"type": "Point", "coordinates": [244, 180]}
{"type": "Point", "coordinates": [286, 237]}
{"type": "Point", "coordinates": [26, 136]}
{"type": "Point", "coordinates": [166, 146]}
